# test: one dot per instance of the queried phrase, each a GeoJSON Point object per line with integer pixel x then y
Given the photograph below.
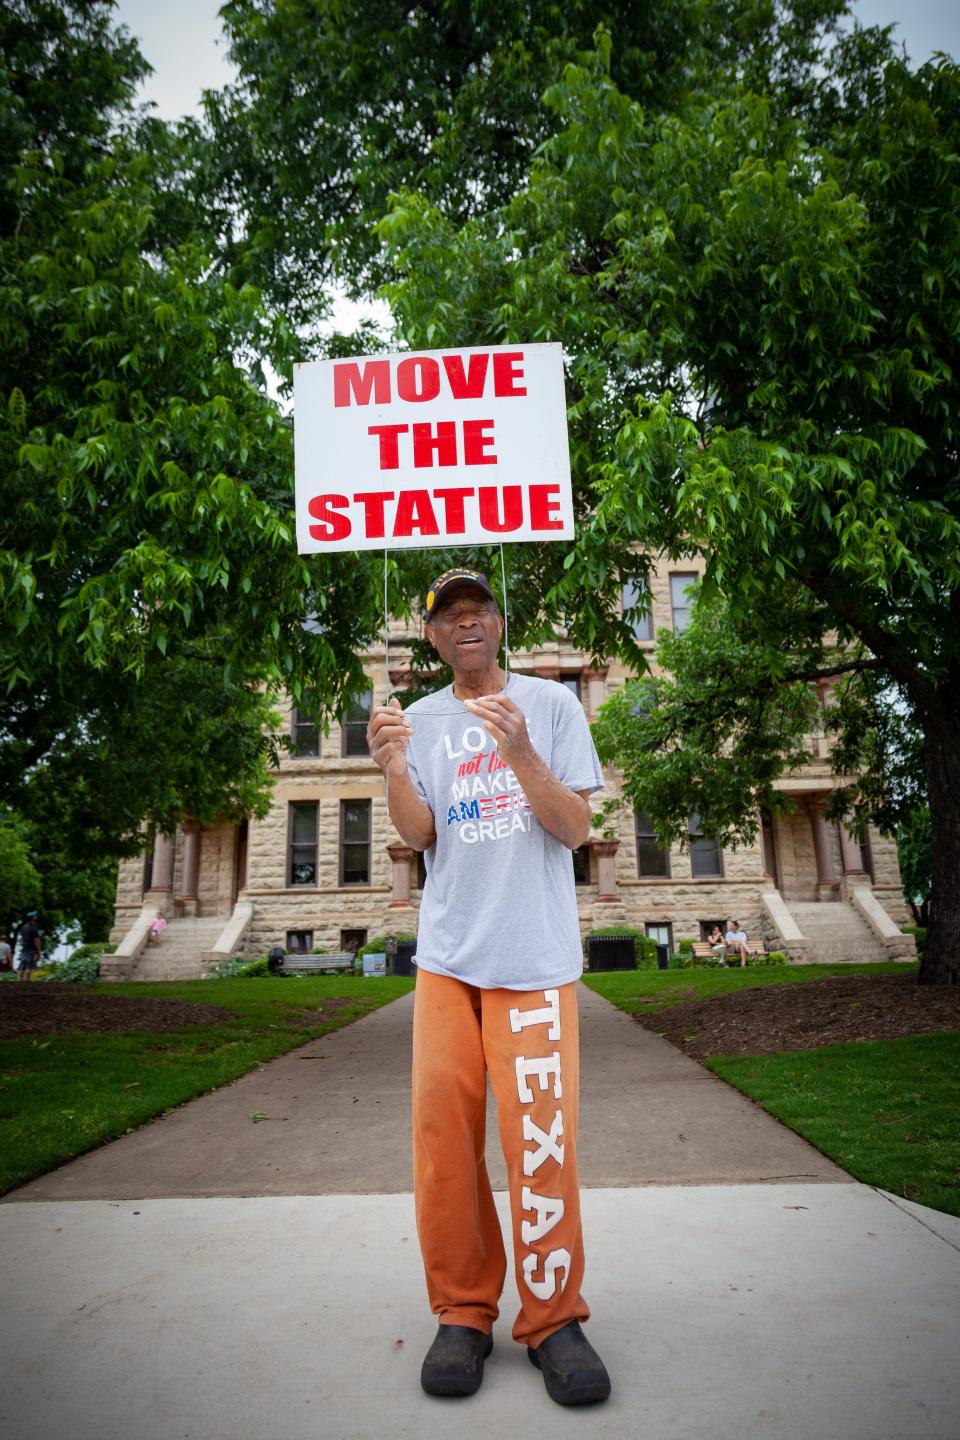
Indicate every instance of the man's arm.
{"type": "Point", "coordinates": [387, 736]}
{"type": "Point", "coordinates": [564, 812]}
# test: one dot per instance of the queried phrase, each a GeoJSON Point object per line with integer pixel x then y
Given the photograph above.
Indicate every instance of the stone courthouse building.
{"type": "Point", "coordinates": [325, 868]}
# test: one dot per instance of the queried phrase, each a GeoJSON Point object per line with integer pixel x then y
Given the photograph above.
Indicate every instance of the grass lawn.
{"type": "Point", "coordinates": [63, 1094]}
{"type": "Point", "coordinates": [887, 1111]}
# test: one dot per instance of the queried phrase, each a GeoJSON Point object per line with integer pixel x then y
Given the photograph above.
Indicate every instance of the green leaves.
{"type": "Point", "coordinates": [710, 734]}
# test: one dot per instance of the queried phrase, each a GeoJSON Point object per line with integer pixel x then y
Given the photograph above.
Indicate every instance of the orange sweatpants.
{"type": "Point", "coordinates": [528, 1042]}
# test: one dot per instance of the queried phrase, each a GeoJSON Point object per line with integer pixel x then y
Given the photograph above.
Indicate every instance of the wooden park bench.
{"type": "Point", "coordinates": [316, 964]}
{"type": "Point", "coordinates": [703, 950]}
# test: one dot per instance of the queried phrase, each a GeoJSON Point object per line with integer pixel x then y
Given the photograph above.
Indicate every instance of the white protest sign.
{"type": "Point", "coordinates": [436, 447]}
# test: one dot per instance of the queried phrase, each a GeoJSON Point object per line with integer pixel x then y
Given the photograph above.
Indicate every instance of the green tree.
{"type": "Point", "coordinates": [762, 333]}
{"type": "Point", "coordinates": [340, 103]}
{"type": "Point", "coordinates": [723, 719]}
{"type": "Point", "coordinates": [153, 602]}
{"type": "Point", "coordinates": [915, 851]}
{"type": "Point", "coordinates": [20, 885]}
{"type": "Point", "coordinates": [42, 868]}
{"type": "Point", "coordinates": [709, 733]}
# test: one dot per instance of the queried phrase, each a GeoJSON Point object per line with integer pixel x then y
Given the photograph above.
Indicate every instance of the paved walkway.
{"type": "Point", "coordinates": [339, 1123]}
{"type": "Point", "coordinates": [742, 1287]}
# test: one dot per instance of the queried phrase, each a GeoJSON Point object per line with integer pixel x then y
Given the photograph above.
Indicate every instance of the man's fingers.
{"type": "Point", "coordinates": [502, 702]}
{"type": "Point", "coordinates": [484, 711]}
{"type": "Point", "coordinates": [386, 717]}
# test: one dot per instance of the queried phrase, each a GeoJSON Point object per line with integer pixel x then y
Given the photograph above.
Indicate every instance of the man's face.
{"type": "Point", "coordinates": [465, 632]}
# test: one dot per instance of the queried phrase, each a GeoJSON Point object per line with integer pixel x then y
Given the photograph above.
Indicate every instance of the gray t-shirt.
{"type": "Point", "coordinates": [499, 906]}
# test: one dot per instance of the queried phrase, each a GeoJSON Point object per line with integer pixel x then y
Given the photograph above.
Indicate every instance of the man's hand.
{"type": "Point", "coordinates": [506, 723]}
{"type": "Point", "coordinates": [564, 812]}
{"type": "Point", "coordinates": [387, 736]}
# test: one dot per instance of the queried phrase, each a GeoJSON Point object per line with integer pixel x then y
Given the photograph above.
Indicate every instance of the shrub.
{"type": "Point", "coordinates": [237, 968]}
{"type": "Point", "coordinates": [645, 949]}
{"type": "Point", "coordinates": [379, 945]}
{"type": "Point", "coordinates": [685, 947]}
{"type": "Point", "coordinates": [919, 933]}
{"type": "Point", "coordinates": [775, 957]}
{"type": "Point", "coordinates": [79, 969]}
{"type": "Point", "coordinates": [95, 948]}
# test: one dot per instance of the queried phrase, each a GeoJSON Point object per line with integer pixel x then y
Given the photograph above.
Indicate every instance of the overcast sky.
{"type": "Point", "coordinates": [180, 40]}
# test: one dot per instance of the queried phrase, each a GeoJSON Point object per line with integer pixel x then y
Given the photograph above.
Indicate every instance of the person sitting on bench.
{"type": "Point", "coordinates": [717, 943]}
{"type": "Point", "coordinates": [736, 940]}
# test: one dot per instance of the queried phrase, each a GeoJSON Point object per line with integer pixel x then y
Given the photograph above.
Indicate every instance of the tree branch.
{"type": "Point", "coordinates": [828, 672]}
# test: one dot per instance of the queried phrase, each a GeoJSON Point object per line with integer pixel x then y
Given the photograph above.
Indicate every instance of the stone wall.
{"type": "Point", "coordinates": [129, 896]}
{"type": "Point", "coordinates": [330, 778]}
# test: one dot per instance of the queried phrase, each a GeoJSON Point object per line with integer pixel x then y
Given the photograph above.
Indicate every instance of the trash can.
{"type": "Point", "coordinates": [275, 959]}
{"type": "Point", "coordinates": [403, 959]}
{"type": "Point", "coordinates": [663, 957]}
{"type": "Point", "coordinates": [611, 952]}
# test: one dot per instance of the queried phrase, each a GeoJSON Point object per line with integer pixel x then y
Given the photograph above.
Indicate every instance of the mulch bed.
{"type": "Point", "coordinates": [804, 1016]}
{"type": "Point", "coordinates": [32, 1008]}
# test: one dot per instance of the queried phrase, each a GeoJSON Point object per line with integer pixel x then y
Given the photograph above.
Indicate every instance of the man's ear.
{"type": "Point", "coordinates": [428, 631]}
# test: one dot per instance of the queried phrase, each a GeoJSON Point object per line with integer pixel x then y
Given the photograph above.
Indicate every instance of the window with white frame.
{"type": "Point", "coordinates": [681, 601]}
{"type": "Point", "coordinates": [635, 596]}
{"type": "Point", "coordinates": [302, 832]}
{"type": "Point", "coordinates": [661, 932]}
{"type": "Point", "coordinates": [306, 734]}
{"type": "Point", "coordinates": [653, 860]}
{"type": "Point", "coordinates": [355, 842]}
{"type": "Point", "coordinates": [354, 722]}
{"type": "Point", "coordinates": [706, 857]}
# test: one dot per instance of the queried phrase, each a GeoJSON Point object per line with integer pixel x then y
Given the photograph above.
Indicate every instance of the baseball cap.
{"type": "Point", "coordinates": [448, 583]}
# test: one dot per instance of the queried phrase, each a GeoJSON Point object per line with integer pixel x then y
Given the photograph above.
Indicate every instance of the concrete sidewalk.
{"type": "Point", "coordinates": [742, 1286]}
{"type": "Point", "coordinates": [738, 1312]}
{"type": "Point", "coordinates": [339, 1123]}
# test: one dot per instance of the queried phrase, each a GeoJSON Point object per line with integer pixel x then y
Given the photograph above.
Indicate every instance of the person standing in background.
{"type": "Point", "coordinates": [31, 950]}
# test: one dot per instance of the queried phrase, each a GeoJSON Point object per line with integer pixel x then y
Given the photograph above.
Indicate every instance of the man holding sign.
{"type": "Point", "coordinates": [490, 778]}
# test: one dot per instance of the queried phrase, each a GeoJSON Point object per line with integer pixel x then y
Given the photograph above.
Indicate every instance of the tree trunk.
{"type": "Point", "coordinates": [941, 961]}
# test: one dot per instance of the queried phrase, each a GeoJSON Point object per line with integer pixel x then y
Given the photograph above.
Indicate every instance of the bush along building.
{"type": "Point", "coordinates": [324, 869]}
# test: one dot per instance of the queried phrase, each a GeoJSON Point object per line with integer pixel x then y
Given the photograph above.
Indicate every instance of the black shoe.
{"type": "Point", "coordinates": [454, 1362]}
{"type": "Point", "coordinates": [573, 1372]}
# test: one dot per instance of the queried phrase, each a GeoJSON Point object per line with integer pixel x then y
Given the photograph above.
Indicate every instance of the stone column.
{"type": "Point", "coordinates": [596, 683]}
{"type": "Point", "coordinates": [190, 872]}
{"type": "Point", "coordinates": [826, 879]}
{"type": "Point", "coordinates": [606, 853]}
{"type": "Point", "coordinates": [161, 877]}
{"type": "Point", "coordinates": [400, 855]}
